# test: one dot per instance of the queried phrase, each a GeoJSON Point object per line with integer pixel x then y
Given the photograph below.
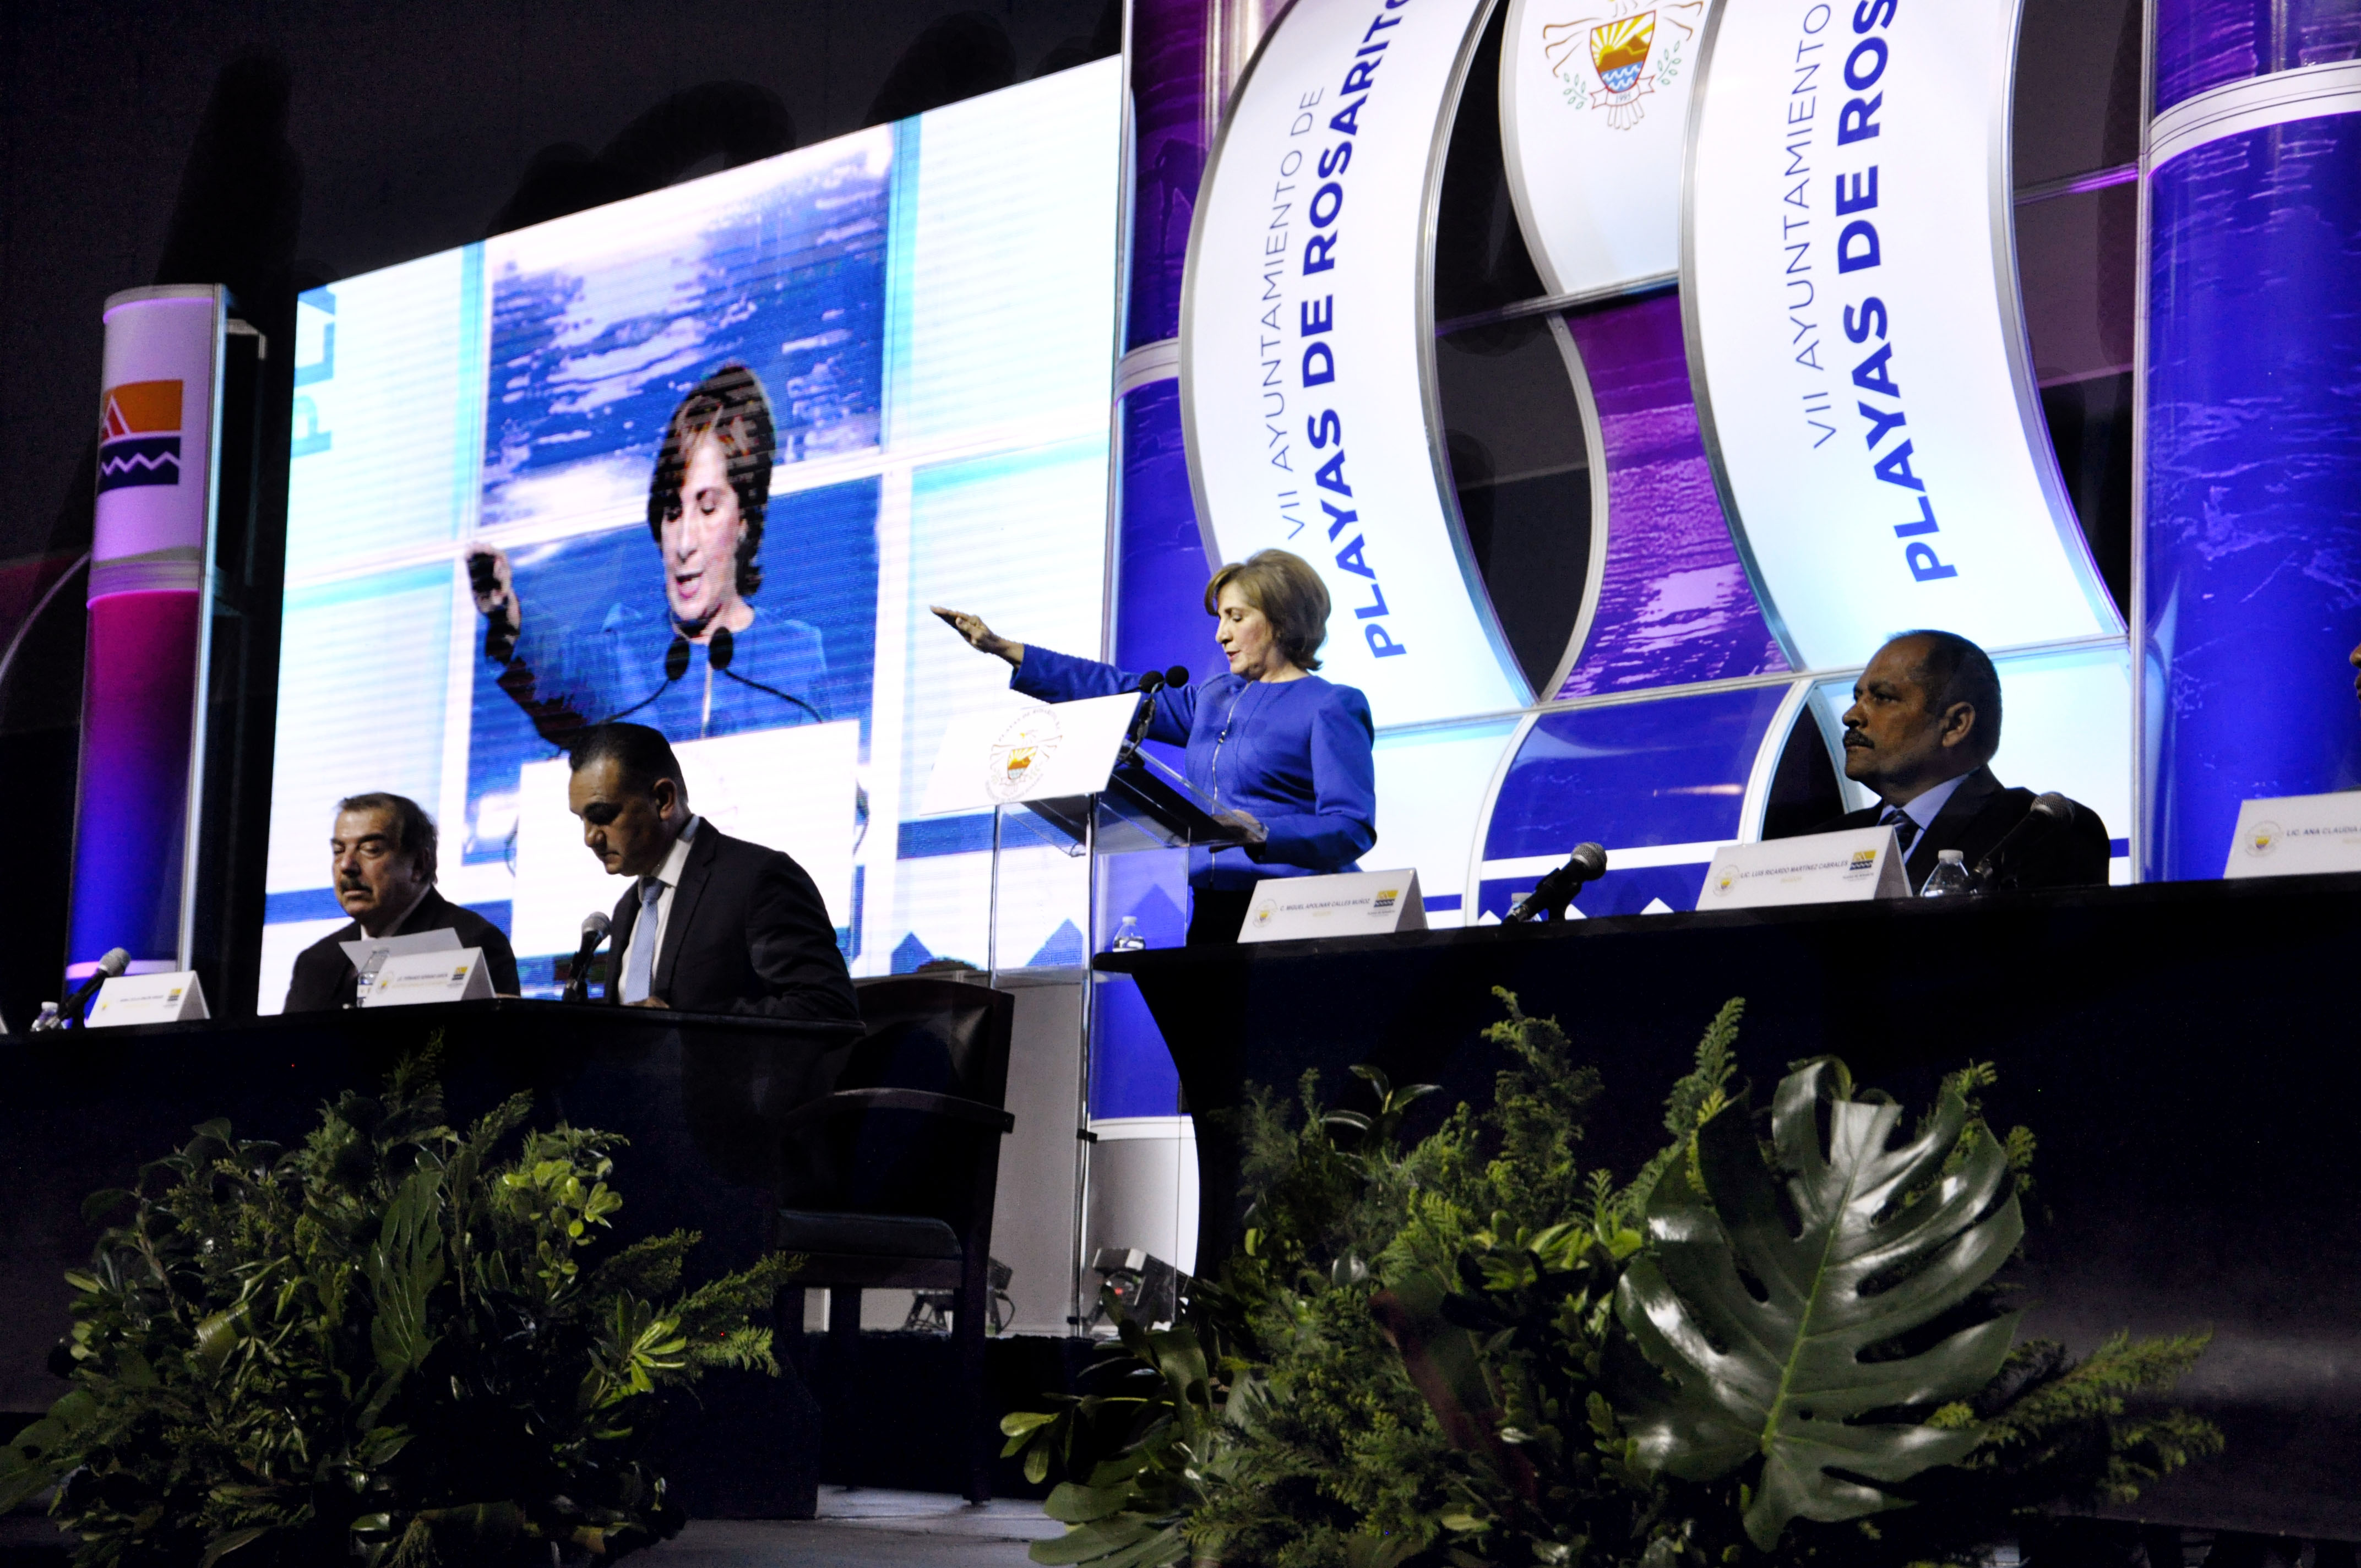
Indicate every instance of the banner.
{"type": "Point", "coordinates": [1593, 119]}
{"type": "Point", "coordinates": [1855, 333]}
{"type": "Point", "coordinates": [151, 534]}
{"type": "Point", "coordinates": [1307, 348]}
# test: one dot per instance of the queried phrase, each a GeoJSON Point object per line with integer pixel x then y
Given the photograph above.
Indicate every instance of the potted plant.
{"type": "Point", "coordinates": [1784, 1341]}
{"type": "Point", "coordinates": [398, 1343]}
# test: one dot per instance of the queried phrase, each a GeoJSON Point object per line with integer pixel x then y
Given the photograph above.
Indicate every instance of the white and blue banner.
{"type": "Point", "coordinates": [1855, 332]}
{"type": "Point", "coordinates": [1593, 120]}
{"type": "Point", "coordinates": [1307, 348]}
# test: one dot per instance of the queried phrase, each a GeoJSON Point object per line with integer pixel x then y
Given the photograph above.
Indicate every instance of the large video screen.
{"type": "Point", "coordinates": [913, 324]}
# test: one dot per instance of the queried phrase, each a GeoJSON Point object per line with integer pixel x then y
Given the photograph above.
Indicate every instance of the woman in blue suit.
{"type": "Point", "coordinates": [1279, 752]}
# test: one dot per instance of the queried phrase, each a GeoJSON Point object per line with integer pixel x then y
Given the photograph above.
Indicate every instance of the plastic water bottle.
{"type": "Point", "coordinates": [1949, 876]}
{"type": "Point", "coordinates": [1127, 938]}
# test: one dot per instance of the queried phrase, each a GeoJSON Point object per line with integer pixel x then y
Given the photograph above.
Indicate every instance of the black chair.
{"type": "Point", "coordinates": [888, 1180]}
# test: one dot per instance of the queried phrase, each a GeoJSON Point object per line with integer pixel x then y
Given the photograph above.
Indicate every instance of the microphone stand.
{"type": "Point", "coordinates": [577, 974]}
{"type": "Point", "coordinates": [2042, 818]}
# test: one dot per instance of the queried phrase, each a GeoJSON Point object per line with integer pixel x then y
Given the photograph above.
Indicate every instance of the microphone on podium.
{"type": "Point", "coordinates": [2045, 814]}
{"type": "Point", "coordinates": [594, 927]}
{"type": "Point", "coordinates": [1151, 683]}
{"type": "Point", "coordinates": [69, 1016]}
{"type": "Point", "coordinates": [1587, 863]}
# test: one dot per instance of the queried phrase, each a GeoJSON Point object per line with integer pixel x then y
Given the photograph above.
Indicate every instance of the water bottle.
{"type": "Point", "coordinates": [1127, 938]}
{"type": "Point", "coordinates": [1949, 877]}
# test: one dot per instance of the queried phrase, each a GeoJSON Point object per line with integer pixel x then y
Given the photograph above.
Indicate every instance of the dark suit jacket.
{"type": "Point", "coordinates": [1979, 815]}
{"type": "Point", "coordinates": [748, 933]}
{"type": "Point", "coordinates": [325, 979]}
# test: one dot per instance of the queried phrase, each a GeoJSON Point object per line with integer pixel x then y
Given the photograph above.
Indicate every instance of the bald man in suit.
{"type": "Point", "coordinates": [1921, 733]}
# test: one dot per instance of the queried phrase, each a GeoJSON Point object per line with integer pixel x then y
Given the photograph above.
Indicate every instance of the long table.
{"type": "Point", "coordinates": [2184, 1052]}
{"type": "Point", "coordinates": [699, 1096]}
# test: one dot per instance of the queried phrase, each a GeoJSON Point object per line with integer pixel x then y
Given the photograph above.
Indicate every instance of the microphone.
{"type": "Point", "coordinates": [2045, 814]}
{"type": "Point", "coordinates": [69, 1016]}
{"type": "Point", "coordinates": [1150, 683]}
{"type": "Point", "coordinates": [1587, 863]}
{"type": "Point", "coordinates": [594, 927]}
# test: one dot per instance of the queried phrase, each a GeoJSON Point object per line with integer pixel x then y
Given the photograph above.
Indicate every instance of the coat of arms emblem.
{"type": "Point", "coordinates": [1623, 55]}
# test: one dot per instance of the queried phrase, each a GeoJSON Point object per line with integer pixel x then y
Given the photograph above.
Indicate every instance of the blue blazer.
{"type": "Point", "coordinates": [1294, 754]}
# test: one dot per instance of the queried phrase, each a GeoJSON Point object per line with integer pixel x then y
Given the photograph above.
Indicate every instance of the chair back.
{"type": "Point", "coordinates": [943, 1036]}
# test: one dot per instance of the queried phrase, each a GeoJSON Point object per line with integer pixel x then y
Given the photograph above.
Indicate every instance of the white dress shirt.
{"type": "Point", "coordinates": [669, 874]}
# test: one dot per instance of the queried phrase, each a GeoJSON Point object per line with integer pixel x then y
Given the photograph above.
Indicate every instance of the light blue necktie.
{"type": "Point", "coordinates": [639, 969]}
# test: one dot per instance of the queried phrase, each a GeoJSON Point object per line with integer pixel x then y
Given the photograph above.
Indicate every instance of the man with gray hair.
{"type": "Point", "coordinates": [1921, 733]}
{"type": "Point", "coordinates": [382, 863]}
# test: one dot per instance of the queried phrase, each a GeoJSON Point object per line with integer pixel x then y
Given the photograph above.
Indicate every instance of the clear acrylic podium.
{"type": "Point", "coordinates": [1082, 786]}
{"type": "Point", "coordinates": [1077, 784]}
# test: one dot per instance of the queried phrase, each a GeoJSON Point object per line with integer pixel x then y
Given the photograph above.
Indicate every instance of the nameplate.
{"type": "Point", "coordinates": [1350, 904]}
{"type": "Point", "coordinates": [407, 979]}
{"type": "Point", "coordinates": [1826, 868]}
{"type": "Point", "coordinates": [368, 954]}
{"type": "Point", "coordinates": [2297, 835]}
{"type": "Point", "coordinates": [127, 999]}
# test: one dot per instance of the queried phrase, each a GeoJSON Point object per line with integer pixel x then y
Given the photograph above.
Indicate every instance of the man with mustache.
{"type": "Point", "coordinates": [382, 859]}
{"type": "Point", "coordinates": [1921, 733]}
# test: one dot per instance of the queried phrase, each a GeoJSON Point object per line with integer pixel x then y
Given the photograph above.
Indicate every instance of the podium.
{"type": "Point", "coordinates": [1082, 784]}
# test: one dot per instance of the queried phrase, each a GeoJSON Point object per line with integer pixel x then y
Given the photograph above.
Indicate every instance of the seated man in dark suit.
{"type": "Point", "coordinates": [712, 923]}
{"type": "Point", "coordinates": [1923, 727]}
{"type": "Point", "coordinates": [383, 850]}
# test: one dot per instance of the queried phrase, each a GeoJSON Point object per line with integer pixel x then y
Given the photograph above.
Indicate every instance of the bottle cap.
{"type": "Point", "coordinates": [1959, 855]}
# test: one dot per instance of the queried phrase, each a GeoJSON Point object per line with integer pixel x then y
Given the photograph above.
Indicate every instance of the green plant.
{"type": "Point", "coordinates": [1767, 1316]}
{"type": "Point", "coordinates": [393, 1344]}
{"type": "Point", "coordinates": [1416, 1356]}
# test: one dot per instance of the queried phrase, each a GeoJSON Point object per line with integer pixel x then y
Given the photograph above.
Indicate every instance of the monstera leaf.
{"type": "Point", "coordinates": [1761, 1319]}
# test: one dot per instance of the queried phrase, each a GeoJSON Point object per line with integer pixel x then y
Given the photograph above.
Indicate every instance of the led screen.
{"type": "Point", "coordinates": [924, 313]}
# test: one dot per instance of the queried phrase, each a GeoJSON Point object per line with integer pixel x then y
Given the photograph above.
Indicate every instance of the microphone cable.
{"type": "Point", "coordinates": [675, 666]}
{"type": "Point", "coordinates": [722, 650]}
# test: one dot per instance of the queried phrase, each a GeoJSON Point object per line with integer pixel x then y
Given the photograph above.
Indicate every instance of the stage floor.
{"type": "Point", "coordinates": [856, 1528]}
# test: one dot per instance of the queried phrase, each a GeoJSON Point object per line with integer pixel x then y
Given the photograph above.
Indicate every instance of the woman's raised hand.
{"type": "Point", "coordinates": [979, 636]}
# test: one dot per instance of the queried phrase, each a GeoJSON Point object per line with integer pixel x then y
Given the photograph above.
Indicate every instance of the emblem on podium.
{"type": "Point", "coordinates": [1017, 758]}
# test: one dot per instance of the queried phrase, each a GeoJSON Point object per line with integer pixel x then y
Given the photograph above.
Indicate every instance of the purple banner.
{"type": "Point", "coordinates": [2252, 540]}
{"type": "Point", "coordinates": [1674, 605]}
{"type": "Point", "coordinates": [138, 705]}
{"type": "Point", "coordinates": [1167, 132]}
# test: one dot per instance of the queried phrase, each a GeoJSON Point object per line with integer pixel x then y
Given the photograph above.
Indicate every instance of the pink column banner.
{"type": "Point", "coordinates": [151, 539]}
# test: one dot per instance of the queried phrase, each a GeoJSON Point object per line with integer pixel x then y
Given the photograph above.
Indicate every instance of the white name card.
{"type": "Point", "coordinates": [1825, 868]}
{"type": "Point", "coordinates": [174, 998]}
{"type": "Point", "coordinates": [2297, 835]}
{"type": "Point", "coordinates": [1350, 904]}
{"type": "Point", "coordinates": [407, 979]}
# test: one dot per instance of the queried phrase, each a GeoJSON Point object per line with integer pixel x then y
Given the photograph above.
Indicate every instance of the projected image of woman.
{"type": "Point", "coordinates": [1283, 753]}
{"type": "Point", "coordinates": [721, 665]}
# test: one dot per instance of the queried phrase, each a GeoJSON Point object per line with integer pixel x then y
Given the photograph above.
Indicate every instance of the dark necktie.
{"type": "Point", "coordinates": [1905, 831]}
